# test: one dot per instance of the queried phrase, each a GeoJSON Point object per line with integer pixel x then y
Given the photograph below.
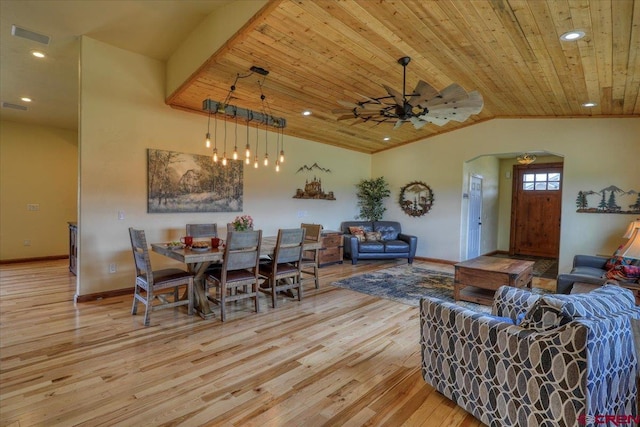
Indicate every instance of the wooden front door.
{"type": "Point", "coordinates": [536, 209]}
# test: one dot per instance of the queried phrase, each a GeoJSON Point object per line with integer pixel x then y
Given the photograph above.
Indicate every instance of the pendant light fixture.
{"type": "Point", "coordinates": [247, 149]}
{"type": "Point", "coordinates": [258, 117]}
{"type": "Point", "coordinates": [215, 133]}
{"type": "Point", "coordinates": [207, 142]}
{"type": "Point", "coordinates": [235, 147]}
{"type": "Point", "coordinates": [224, 153]}
{"type": "Point", "coordinates": [266, 146]}
{"type": "Point", "coordinates": [277, 146]}
{"type": "Point", "coordinates": [282, 146]}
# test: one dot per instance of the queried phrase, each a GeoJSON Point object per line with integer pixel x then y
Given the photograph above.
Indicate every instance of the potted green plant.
{"type": "Point", "coordinates": [371, 193]}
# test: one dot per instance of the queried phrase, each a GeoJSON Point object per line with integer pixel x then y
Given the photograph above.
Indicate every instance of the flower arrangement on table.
{"type": "Point", "coordinates": [243, 223]}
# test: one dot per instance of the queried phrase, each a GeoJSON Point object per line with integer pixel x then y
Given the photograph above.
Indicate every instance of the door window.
{"type": "Point", "coordinates": [541, 181]}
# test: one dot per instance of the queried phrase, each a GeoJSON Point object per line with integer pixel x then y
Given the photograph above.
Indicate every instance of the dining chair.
{"type": "Point", "coordinates": [156, 284]}
{"type": "Point", "coordinates": [239, 276]}
{"type": "Point", "coordinates": [310, 258]}
{"type": "Point", "coordinates": [202, 230]}
{"type": "Point", "coordinates": [283, 271]}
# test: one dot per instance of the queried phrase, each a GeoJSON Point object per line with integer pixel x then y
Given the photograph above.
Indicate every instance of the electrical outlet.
{"type": "Point", "coordinates": [120, 215]}
{"type": "Point", "coordinates": [33, 207]}
{"type": "Point", "coordinates": [27, 242]}
{"type": "Point", "coordinates": [112, 268]}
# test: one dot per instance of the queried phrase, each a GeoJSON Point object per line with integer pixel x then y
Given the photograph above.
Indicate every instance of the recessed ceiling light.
{"type": "Point", "coordinates": [306, 113]}
{"type": "Point", "coordinates": [589, 104]}
{"type": "Point", "coordinates": [573, 35]}
{"type": "Point", "coordinates": [37, 54]}
{"type": "Point", "coordinates": [26, 99]}
{"type": "Point", "coordinates": [386, 138]}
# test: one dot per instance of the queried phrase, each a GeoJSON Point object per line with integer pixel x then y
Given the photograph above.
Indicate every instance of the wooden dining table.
{"type": "Point", "coordinates": [198, 261]}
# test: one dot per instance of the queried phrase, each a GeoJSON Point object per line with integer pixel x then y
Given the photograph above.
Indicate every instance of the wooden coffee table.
{"type": "Point", "coordinates": [477, 279]}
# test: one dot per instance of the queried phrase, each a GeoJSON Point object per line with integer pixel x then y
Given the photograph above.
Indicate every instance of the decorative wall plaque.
{"type": "Point", "coordinates": [313, 188]}
{"type": "Point", "coordinates": [608, 200]}
{"type": "Point", "coordinates": [416, 198]}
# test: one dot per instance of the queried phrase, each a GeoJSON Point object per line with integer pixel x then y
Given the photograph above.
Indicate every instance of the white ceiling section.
{"type": "Point", "coordinates": [152, 28]}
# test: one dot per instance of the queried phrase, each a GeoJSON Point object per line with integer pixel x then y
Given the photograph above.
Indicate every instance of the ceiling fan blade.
{"type": "Point", "coordinates": [342, 111]}
{"type": "Point", "coordinates": [347, 117]}
{"type": "Point", "coordinates": [398, 124]}
{"type": "Point", "coordinates": [397, 97]}
{"type": "Point", "coordinates": [459, 110]}
{"type": "Point", "coordinates": [453, 92]}
{"type": "Point", "coordinates": [447, 113]}
{"type": "Point", "coordinates": [476, 100]}
{"type": "Point", "coordinates": [435, 119]}
{"type": "Point", "coordinates": [423, 93]}
{"type": "Point", "coordinates": [417, 123]}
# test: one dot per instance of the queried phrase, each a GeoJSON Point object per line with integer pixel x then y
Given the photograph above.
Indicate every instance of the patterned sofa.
{"type": "Point", "coordinates": [552, 360]}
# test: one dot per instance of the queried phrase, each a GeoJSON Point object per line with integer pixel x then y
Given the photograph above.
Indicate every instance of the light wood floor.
{"type": "Point", "coordinates": [336, 358]}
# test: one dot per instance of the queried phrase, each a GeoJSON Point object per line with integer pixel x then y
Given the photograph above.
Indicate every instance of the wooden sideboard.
{"type": "Point", "coordinates": [331, 250]}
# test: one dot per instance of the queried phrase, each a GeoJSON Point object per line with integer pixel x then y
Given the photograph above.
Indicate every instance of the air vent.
{"type": "Point", "coordinates": [14, 106]}
{"type": "Point", "coordinates": [29, 35]}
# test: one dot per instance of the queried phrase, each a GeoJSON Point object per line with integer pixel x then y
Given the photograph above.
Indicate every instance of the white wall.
{"type": "Point", "coordinates": [597, 153]}
{"type": "Point", "coordinates": [122, 115]}
{"type": "Point", "coordinates": [38, 165]}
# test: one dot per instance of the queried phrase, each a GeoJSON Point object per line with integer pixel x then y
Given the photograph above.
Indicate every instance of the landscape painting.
{"type": "Point", "coordinates": [181, 182]}
{"type": "Point", "coordinates": [608, 200]}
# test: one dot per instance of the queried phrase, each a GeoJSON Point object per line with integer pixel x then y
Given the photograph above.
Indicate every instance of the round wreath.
{"type": "Point", "coordinates": [422, 200]}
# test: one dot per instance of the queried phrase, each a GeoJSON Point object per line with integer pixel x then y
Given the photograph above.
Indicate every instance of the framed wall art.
{"type": "Point", "coordinates": [181, 182]}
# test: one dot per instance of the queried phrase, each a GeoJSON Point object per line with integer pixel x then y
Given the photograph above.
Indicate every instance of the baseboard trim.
{"type": "Point", "coordinates": [43, 258]}
{"type": "Point", "coordinates": [102, 295]}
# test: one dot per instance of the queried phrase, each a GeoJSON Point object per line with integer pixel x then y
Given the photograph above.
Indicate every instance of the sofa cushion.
{"type": "Point", "coordinates": [357, 231]}
{"type": "Point", "coordinates": [373, 236]}
{"type": "Point", "coordinates": [543, 316]}
{"type": "Point", "coordinates": [556, 310]}
{"type": "Point", "coordinates": [397, 246]}
{"type": "Point", "coordinates": [388, 229]}
{"type": "Point", "coordinates": [369, 247]}
{"type": "Point", "coordinates": [513, 302]}
{"type": "Point", "coordinates": [366, 226]}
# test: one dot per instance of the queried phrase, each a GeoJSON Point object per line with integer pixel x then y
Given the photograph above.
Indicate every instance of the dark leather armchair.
{"type": "Point", "coordinates": [589, 269]}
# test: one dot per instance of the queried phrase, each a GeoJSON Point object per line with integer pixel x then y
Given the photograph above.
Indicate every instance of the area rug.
{"type": "Point", "coordinates": [407, 284]}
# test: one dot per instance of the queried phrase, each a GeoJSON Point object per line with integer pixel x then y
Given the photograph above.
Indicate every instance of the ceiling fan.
{"type": "Point", "coordinates": [424, 105]}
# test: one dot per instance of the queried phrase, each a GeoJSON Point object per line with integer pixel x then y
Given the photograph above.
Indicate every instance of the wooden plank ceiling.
{"type": "Point", "coordinates": [320, 51]}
